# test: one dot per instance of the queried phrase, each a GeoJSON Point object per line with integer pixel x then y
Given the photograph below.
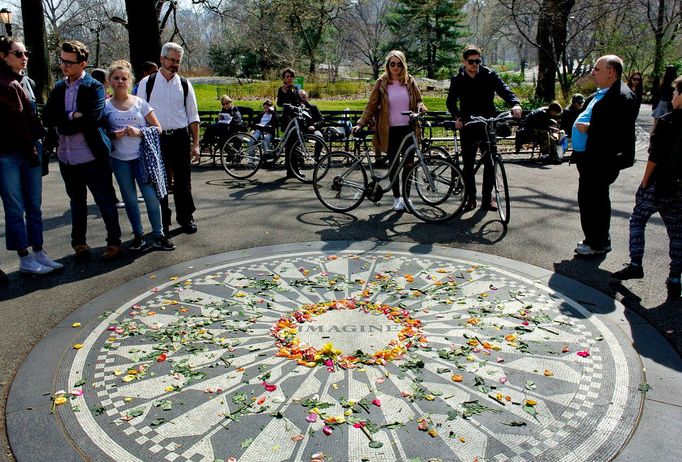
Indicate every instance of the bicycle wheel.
{"type": "Point", "coordinates": [241, 156]}
{"type": "Point", "coordinates": [304, 156]}
{"type": "Point", "coordinates": [434, 190]}
{"type": "Point", "coordinates": [501, 192]}
{"type": "Point", "coordinates": [340, 181]}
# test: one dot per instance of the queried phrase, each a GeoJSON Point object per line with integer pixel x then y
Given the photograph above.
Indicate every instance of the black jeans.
{"type": "Point", "coordinates": [470, 138]}
{"type": "Point", "coordinates": [176, 152]}
{"type": "Point", "coordinates": [594, 202]}
{"type": "Point", "coordinates": [95, 176]}
{"type": "Point", "coordinates": [395, 137]}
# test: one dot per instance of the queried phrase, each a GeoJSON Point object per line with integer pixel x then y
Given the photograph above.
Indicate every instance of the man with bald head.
{"type": "Point", "coordinates": [603, 144]}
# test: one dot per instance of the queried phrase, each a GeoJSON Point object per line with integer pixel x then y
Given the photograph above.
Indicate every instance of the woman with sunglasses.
{"type": "Point", "coordinates": [20, 163]}
{"type": "Point", "coordinates": [635, 84]}
{"type": "Point", "coordinates": [394, 92]}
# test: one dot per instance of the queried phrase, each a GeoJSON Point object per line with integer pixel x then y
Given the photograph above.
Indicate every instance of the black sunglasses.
{"type": "Point", "coordinates": [19, 54]}
{"type": "Point", "coordinates": [394, 64]}
{"type": "Point", "coordinates": [637, 78]}
{"type": "Point", "coordinates": [66, 62]}
{"type": "Point", "coordinates": [474, 61]}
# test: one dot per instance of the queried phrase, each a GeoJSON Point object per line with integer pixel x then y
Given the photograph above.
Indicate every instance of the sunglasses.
{"type": "Point", "coordinates": [474, 61]}
{"type": "Point", "coordinates": [637, 78]}
{"type": "Point", "coordinates": [66, 62]}
{"type": "Point", "coordinates": [395, 64]}
{"type": "Point", "coordinates": [19, 54]}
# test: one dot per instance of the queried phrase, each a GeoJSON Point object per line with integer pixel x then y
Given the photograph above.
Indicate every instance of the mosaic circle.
{"type": "Point", "coordinates": [496, 367]}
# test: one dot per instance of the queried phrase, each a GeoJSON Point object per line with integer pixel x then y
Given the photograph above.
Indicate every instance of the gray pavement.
{"type": "Point", "coordinates": [234, 215]}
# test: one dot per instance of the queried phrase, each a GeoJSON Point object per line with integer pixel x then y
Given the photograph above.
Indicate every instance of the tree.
{"type": "Point", "coordinates": [36, 41]}
{"type": "Point", "coordinates": [143, 33]}
{"type": "Point", "coordinates": [427, 31]}
{"type": "Point", "coordinates": [366, 33]}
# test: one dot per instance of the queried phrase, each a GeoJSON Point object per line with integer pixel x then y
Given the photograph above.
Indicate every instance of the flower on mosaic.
{"type": "Point", "coordinates": [548, 373]}
{"type": "Point", "coordinates": [503, 380]}
{"type": "Point", "coordinates": [312, 417]}
{"type": "Point", "coordinates": [327, 430]}
{"type": "Point", "coordinates": [376, 402]}
{"type": "Point", "coordinates": [583, 354]}
{"type": "Point", "coordinates": [565, 349]}
{"type": "Point", "coordinates": [297, 438]}
{"type": "Point", "coordinates": [231, 459]}
{"type": "Point", "coordinates": [161, 358]}
{"type": "Point", "coordinates": [360, 424]}
{"type": "Point", "coordinates": [269, 386]}
{"type": "Point", "coordinates": [457, 378]}
{"type": "Point", "coordinates": [317, 457]}
{"type": "Point", "coordinates": [76, 324]}
{"type": "Point", "coordinates": [59, 400]}
{"type": "Point", "coordinates": [77, 346]}
{"type": "Point", "coordinates": [422, 424]}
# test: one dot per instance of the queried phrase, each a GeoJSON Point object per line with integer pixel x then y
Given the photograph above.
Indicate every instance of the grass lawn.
{"type": "Point", "coordinates": [207, 101]}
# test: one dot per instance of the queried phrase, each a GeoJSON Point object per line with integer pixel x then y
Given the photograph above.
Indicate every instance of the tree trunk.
{"type": "Point", "coordinates": [546, 64]}
{"type": "Point", "coordinates": [143, 33]}
{"type": "Point", "coordinates": [658, 50]}
{"type": "Point", "coordinates": [36, 40]}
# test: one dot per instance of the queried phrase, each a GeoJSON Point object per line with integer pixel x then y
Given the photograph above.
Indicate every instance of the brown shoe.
{"type": "Point", "coordinates": [471, 205]}
{"type": "Point", "coordinates": [111, 252]}
{"type": "Point", "coordinates": [82, 250]}
{"type": "Point", "coordinates": [492, 206]}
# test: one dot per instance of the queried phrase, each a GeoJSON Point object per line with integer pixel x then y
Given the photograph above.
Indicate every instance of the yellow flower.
{"type": "Point", "coordinates": [59, 400]}
{"type": "Point", "coordinates": [128, 378]}
{"type": "Point", "coordinates": [531, 402]}
{"type": "Point", "coordinates": [76, 324]}
{"type": "Point", "coordinates": [78, 346]}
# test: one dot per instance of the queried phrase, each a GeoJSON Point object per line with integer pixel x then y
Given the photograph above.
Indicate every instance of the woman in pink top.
{"type": "Point", "coordinates": [395, 91]}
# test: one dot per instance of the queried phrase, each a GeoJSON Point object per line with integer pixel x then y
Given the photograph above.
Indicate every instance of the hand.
{"type": "Point", "coordinates": [516, 112]}
{"type": "Point", "coordinates": [77, 115]}
{"type": "Point", "coordinates": [582, 127]}
{"type": "Point", "coordinates": [118, 134]}
{"type": "Point", "coordinates": [356, 128]}
{"type": "Point", "coordinates": [196, 155]}
{"type": "Point", "coordinates": [422, 109]}
{"type": "Point", "coordinates": [132, 131]}
{"type": "Point", "coordinates": [458, 124]}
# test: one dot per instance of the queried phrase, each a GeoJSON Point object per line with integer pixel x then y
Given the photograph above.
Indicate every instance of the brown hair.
{"type": "Point", "coordinates": [401, 56]}
{"type": "Point", "coordinates": [471, 50]}
{"type": "Point", "coordinates": [74, 46]}
{"type": "Point", "coordinates": [286, 71]}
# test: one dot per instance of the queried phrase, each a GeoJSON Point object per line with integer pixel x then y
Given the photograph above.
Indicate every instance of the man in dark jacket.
{"type": "Point", "coordinates": [471, 93]}
{"type": "Point", "coordinates": [660, 191]}
{"type": "Point", "coordinates": [75, 107]}
{"type": "Point", "coordinates": [541, 127]}
{"type": "Point", "coordinates": [603, 144]}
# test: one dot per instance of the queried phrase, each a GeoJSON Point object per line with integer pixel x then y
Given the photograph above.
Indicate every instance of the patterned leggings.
{"type": "Point", "coordinates": [670, 209]}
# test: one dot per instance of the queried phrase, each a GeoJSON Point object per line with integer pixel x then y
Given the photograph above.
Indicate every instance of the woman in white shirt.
{"type": "Point", "coordinates": [125, 115]}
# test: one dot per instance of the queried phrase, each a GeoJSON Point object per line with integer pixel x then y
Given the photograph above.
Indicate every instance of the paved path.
{"type": "Point", "coordinates": [243, 215]}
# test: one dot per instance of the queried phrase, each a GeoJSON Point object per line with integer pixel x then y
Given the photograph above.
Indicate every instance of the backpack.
{"type": "Point", "coordinates": [150, 86]}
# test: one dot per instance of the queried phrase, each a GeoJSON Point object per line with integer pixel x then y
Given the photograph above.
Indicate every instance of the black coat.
{"type": "Point", "coordinates": [665, 150]}
{"type": "Point", "coordinates": [475, 95]}
{"type": "Point", "coordinates": [611, 134]}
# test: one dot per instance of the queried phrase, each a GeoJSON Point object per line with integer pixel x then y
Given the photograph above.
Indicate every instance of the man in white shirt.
{"type": "Point", "coordinates": [175, 105]}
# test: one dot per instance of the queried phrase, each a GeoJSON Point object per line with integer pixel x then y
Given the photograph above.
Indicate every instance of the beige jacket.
{"type": "Point", "coordinates": [377, 107]}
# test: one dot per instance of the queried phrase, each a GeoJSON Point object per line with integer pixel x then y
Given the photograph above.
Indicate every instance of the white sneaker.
{"type": "Point", "coordinates": [42, 258]}
{"type": "Point", "coordinates": [28, 264]}
{"type": "Point", "coordinates": [120, 205]}
{"type": "Point", "coordinates": [584, 249]}
{"type": "Point", "coordinates": [398, 204]}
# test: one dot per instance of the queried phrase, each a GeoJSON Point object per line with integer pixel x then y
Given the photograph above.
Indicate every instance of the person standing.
{"type": "Point", "coordinates": [75, 107]}
{"type": "Point", "coordinates": [603, 144]}
{"type": "Point", "coordinates": [175, 105]}
{"type": "Point", "coordinates": [129, 120]}
{"type": "Point", "coordinates": [288, 93]}
{"type": "Point", "coordinates": [394, 92]}
{"type": "Point", "coordinates": [20, 164]}
{"type": "Point", "coordinates": [636, 84]}
{"type": "Point", "coordinates": [660, 191]}
{"type": "Point", "coordinates": [147, 68]}
{"type": "Point", "coordinates": [471, 93]}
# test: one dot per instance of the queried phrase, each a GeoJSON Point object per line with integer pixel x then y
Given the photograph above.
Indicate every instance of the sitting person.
{"type": "Point", "coordinates": [315, 121]}
{"type": "Point", "coordinates": [267, 124]}
{"type": "Point", "coordinates": [229, 122]}
{"type": "Point", "coordinates": [571, 113]}
{"type": "Point", "coordinates": [542, 128]}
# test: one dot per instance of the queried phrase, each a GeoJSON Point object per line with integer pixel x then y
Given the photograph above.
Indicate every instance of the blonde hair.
{"type": "Point", "coordinates": [121, 65]}
{"type": "Point", "coordinates": [401, 56]}
{"type": "Point", "coordinates": [225, 99]}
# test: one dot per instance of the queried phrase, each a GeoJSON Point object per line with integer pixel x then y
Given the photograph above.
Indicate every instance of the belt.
{"type": "Point", "coordinates": [174, 131]}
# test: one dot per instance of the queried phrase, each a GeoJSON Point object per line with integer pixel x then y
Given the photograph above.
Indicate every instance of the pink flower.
{"type": "Point", "coordinates": [525, 323]}
{"type": "Point", "coordinates": [583, 354]}
{"type": "Point", "coordinates": [269, 386]}
{"type": "Point", "coordinates": [359, 425]}
{"type": "Point", "coordinates": [312, 417]}
{"type": "Point", "coordinates": [77, 392]}
{"type": "Point", "coordinates": [503, 380]}
{"type": "Point", "coordinates": [376, 402]}
{"type": "Point", "coordinates": [327, 430]}
{"type": "Point", "coordinates": [500, 359]}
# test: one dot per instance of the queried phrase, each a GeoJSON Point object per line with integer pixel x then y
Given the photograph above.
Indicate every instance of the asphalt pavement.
{"type": "Point", "coordinates": [268, 209]}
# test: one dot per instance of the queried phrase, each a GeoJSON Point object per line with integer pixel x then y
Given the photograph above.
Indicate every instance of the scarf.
{"type": "Point", "coordinates": [154, 171]}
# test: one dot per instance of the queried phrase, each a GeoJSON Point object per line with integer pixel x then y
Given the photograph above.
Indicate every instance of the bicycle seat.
{"type": "Point", "coordinates": [449, 124]}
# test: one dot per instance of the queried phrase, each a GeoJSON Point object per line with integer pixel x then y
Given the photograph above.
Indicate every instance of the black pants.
{"type": "Point", "coordinates": [395, 137]}
{"type": "Point", "coordinates": [176, 151]}
{"type": "Point", "coordinates": [594, 202]}
{"type": "Point", "coordinates": [470, 138]}
{"type": "Point", "coordinates": [95, 176]}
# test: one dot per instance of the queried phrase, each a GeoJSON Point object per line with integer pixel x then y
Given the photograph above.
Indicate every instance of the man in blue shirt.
{"type": "Point", "coordinates": [603, 144]}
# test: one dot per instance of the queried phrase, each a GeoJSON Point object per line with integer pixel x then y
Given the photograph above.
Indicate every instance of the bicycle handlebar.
{"type": "Point", "coordinates": [502, 117]}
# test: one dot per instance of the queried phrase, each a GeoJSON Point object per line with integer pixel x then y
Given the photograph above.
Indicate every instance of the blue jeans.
{"type": "Point", "coordinates": [21, 191]}
{"type": "Point", "coordinates": [127, 173]}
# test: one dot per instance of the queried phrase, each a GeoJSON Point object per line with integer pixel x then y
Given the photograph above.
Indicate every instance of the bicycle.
{"type": "Point", "coordinates": [242, 154]}
{"type": "Point", "coordinates": [433, 191]}
{"type": "Point", "coordinates": [489, 149]}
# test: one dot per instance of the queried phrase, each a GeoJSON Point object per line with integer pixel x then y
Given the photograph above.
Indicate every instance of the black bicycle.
{"type": "Point", "coordinates": [433, 191]}
{"type": "Point", "coordinates": [488, 146]}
